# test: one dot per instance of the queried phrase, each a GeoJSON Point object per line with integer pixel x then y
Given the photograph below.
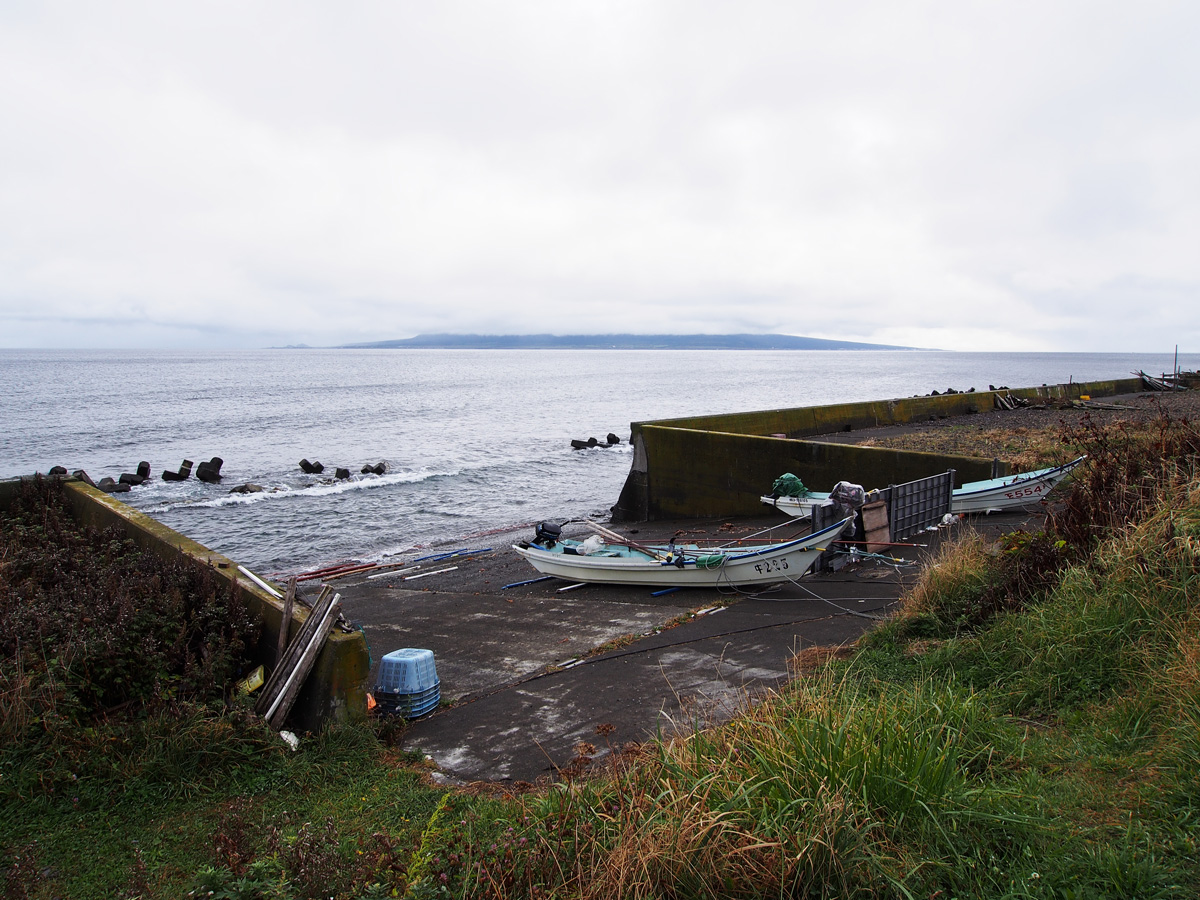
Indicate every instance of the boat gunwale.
{"type": "Point", "coordinates": [974, 488]}
{"type": "Point", "coordinates": [970, 490]}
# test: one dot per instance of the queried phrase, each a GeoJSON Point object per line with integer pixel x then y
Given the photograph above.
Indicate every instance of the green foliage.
{"type": "Point", "coordinates": [168, 753]}
{"type": "Point", "coordinates": [1127, 463]}
{"type": "Point", "coordinates": [126, 766]}
{"type": "Point", "coordinates": [1124, 869]}
{"type": "Point", "coordinates": [115, 666]}
{"type": "Point", "coordinates": [969, 584]}
{"type": "Point", "coordinates": [262, 880]}
{"type": "Point", "coordinates": [91, 625]}
{"type": "Point", "coordinates": [829, 791]}
{"type": "Point", "coordinates": [272, 815]}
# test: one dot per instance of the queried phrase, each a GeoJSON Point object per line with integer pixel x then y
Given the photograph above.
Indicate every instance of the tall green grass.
{"type": "Point", "coordinates": [1115, 623]}
{"type": "Point", "coordinates": [839, 788]}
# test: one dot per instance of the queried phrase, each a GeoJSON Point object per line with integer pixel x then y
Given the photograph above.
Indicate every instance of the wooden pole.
{"type": "Point", "coordinates": [613, 536]}
{"type": "Point", "coordinates": [357, 570]}
{"type": "Point", "coordinates": [335, 572]}
{"type": "Point", "coordinates": [277, 713]}
{"type": "Point", "coordinates": [289, 600]}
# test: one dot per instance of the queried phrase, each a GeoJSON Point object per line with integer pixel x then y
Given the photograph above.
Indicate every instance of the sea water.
{"type": "Point", "coordinates": [474, 441]}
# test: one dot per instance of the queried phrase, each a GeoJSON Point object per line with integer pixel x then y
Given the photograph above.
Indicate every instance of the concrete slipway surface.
{"type": "Point", "coordinates": [529, 672]}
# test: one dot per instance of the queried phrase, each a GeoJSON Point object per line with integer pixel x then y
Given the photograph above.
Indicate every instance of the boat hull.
{"type": "Point", "coordinates": [693, 568]}
{"type": "Point", "coordinates": [1013, 492]}
{"type": "Point", "coordinates": [796, 506]}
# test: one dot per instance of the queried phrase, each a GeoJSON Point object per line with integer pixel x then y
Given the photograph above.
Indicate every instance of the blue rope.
{"type": "Point", "coordinates": [530, 581]}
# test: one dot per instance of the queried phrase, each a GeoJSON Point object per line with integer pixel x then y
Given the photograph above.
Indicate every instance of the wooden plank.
{"type": "Point", "coordinates": [291, 656]}
{"type": "Point", "coordinates": [277, 713]}
{"type": "Point", "coordinates": [875, 526]}
{"type": "Point", "coordinates": [352, 570]}
{"type": "Point", "coordinates": [289, 600]}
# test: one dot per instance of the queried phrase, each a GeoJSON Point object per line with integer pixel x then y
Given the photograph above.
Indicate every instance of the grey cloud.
{"type": "Point", "coordinates": [241, 174]}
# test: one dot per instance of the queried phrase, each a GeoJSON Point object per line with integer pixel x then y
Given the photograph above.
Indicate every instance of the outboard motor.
{"type": "Point", "coordinates": [547, 534]}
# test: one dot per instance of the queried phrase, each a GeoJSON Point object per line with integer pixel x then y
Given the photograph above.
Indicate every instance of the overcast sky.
{"type": "Point", "coordinates": [961, 175]}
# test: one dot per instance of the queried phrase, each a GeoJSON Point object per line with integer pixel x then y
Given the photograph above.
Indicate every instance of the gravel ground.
{"type": "Point", "coordinates": [1026, 437]}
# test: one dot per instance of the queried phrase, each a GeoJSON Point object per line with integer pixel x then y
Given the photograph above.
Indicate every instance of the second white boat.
{"type": "Point", "coordinates": [996, 494]}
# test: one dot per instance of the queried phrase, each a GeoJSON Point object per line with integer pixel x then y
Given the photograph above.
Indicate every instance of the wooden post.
{"type": "Point", "coordinates": [289, 600]}
{"type": "Point", "coordinates": [278, 711]}
{"type": "Point", "coordinates": [291, 656]}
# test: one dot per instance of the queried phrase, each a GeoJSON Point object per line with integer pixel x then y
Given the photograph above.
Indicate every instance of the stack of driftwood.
{"type": "Point", "coordinates": [295, 658]}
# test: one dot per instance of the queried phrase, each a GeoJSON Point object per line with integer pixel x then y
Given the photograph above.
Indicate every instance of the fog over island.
{"type": "Point", "coordinates": [618, 342]}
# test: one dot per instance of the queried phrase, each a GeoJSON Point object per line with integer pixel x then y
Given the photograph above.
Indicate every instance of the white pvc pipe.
{"type": "Point", "coordinates": [395, 572]}
{"type": "Point", "coordinates": [423, 574]}
{"type": "Point", "coordinates": [262, 584]}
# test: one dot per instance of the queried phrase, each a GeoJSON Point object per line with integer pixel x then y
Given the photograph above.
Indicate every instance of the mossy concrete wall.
{"type": "Point", "coordinates": [335, 689]}
{"type": "Point", "coordinates": [720, 465]}
{"type": "Point", "coordinates": [811, 420]}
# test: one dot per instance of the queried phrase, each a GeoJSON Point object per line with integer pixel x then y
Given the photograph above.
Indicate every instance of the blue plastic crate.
{"type": "Point", "coordinates": [407, 671]}
{"type": "Point", "coordinates": [411, 706]}
{"type": "Point", "coordinates": [409, 700]}
{"type": "Point", "coordinates": [409, 697]}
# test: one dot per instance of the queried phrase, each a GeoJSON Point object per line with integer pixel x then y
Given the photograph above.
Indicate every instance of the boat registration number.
{"type": "Point", "coordinates": [771, 565]}
{"type": "Point", "coordinates": [1031, 491]}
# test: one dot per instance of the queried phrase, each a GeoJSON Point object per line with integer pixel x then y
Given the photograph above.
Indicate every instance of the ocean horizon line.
{"type": "Point", "coordinates": [615, 341]}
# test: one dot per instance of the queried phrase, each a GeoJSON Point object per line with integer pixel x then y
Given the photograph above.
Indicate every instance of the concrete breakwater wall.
{"type": "Point", "coordinates": [335, 689]}
{"type": "Point", "coordinates": [720, 465]}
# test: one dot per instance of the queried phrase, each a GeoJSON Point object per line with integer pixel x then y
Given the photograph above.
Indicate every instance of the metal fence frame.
{"type": "Point", "coordinates": [916, 505]}
{"type": "Point", "coordinates": [912, 507]}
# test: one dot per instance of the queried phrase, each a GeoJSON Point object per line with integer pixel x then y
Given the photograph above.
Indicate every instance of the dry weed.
{"type": "Point", "coordinates": [960, 563]}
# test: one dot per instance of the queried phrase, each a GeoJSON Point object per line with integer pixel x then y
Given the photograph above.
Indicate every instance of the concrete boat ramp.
{"type": "Point", "coordinates": [530, 671]}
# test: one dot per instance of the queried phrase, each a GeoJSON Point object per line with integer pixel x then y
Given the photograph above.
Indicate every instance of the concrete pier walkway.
{"type": "Point", "coordinates": [530, 672]}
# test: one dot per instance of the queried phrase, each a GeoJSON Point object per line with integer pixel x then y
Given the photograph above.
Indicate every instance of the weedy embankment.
{"type": "Point", "coordinates": [128, 765]}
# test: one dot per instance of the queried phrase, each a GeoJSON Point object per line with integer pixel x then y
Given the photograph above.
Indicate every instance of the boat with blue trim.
{"type": "Point", "coordinates": [608, 558]}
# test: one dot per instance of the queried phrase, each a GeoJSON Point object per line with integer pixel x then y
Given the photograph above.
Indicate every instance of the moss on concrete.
{"type": "Point", "coordinates": [720, 465]}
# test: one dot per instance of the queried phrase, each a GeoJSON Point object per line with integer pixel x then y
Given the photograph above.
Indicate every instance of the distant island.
{"type": "Point", "coordinates": [616, 342]}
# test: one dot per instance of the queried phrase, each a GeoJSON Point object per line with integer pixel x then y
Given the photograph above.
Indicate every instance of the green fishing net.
{"type": "Point", "coordinates": [788, 485]}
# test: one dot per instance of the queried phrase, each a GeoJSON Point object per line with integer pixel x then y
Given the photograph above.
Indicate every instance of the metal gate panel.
{"type": "Point", "coordinates": [914, 506]}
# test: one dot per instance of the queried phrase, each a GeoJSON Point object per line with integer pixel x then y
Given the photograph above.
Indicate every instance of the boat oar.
{"type": "Point", "coordinates": [619, 539]}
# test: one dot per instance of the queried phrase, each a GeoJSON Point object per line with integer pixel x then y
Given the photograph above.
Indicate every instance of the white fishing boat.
{"type": "Point", "coordinates": [797, 506]}
{"type": "Point", "coordinates": [1009, 492]}
{"type": "Point", "coordinates": [616, 560]}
